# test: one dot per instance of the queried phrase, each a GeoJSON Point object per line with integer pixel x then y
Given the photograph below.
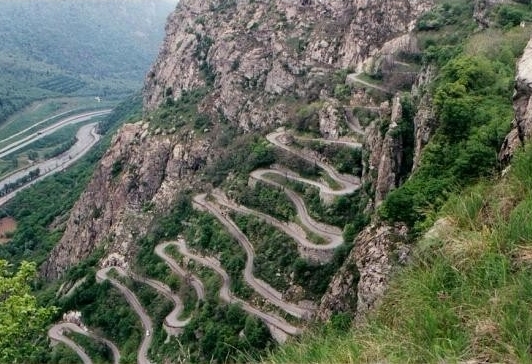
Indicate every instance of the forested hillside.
{"type": "Point", "coordinates": [55, 48]}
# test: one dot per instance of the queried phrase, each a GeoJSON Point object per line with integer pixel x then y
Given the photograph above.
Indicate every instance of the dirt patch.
{"type": "Point", "coordinates": [7, 227]}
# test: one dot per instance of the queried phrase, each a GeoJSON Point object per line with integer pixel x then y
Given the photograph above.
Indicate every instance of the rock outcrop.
{"type": "Point", "coordinates": [522, 124]}
{"type": "Point", "coordinates": [254, 54]}
{"type": "Point", "coordinates": [425, 121]}
{"type": "Point", "coordinates": [138, 174]}
{"type": "Point", "coordinates": [384, 146]}
{"type": "Point", "coordinates": [361, 282]}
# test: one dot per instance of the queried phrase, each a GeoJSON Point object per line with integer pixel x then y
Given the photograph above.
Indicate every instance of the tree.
{"type": "Point", "coordinates": [22, 322]}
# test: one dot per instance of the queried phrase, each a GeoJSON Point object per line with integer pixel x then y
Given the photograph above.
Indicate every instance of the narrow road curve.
{"type": "Point", "coordinates": [354, 77]}
{"type": "Point", "coordinates": [56, 334]}
{"type": "Point", "coordinates": [102, 275]}
{"type": "Point", "coordinates": [347, 143]}
{"type": "Point", "coordinates": [225, 291]}
{"type": "Point", "coordinates": [87, 138]}
{"type": "Point", "coordinates": [171, 321]}
{"type": "Point", "coordinates": [261, 287]}
{"type": "Point", "coordinates": [334, 239]}
{"type": "Point", "coordinates": [331, 233]}
{"type": "Point", "coordinates": [189, 278]}
{"type": "Point", "coordinates": [348, 183]}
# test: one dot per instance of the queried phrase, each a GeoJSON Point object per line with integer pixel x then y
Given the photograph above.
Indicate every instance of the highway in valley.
{"type": "Point", "coordinates": [41, 133]}
{"type": "Point", "coordinates": [86, 136]}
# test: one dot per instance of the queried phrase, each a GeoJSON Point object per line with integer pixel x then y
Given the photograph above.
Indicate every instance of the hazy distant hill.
{"type": "Point", "coordinates": [57, 47]}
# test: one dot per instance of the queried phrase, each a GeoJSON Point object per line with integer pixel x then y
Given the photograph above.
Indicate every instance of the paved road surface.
{"type": "Point", "coordinates": [176, 268]}
{"type": "Point", "coordinates": [334, 239]}
{"type": "Point", "coordinates": [56, 333]}
{"type": "Point", "coordinates": [171, 321]}
{"type": "Point", "coordinates": [87, 138]}
{"type": "Point", "coordinates": [347, 183]}
{"type": "Point", "coordinates": [102, 275]}
{"type": "Point", "coordinates": [227, 296]}
{"type": "Point", "coordinates": [261, 287]}
{"type": "Point", "coordinates": [19, 144]}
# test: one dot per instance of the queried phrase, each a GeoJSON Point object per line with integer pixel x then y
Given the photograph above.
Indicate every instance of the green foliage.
{"type": "Point", "coordinates": [345, 159]}
{"type": "Point", "coordinates": [239, 154]}
{"type": "Point", "coordinates": [465, 296]}
{"type": "Point", "coordinates": [22, 321]}
{"type": "Point", "coordinates": [448, 13]}
{"type": "Point", "coordinates": [104, 307]}
{"type": "Point", "coordinates": [266, 199]}
{"type": "Point", "coordinates": [510, 15]}
{"type": "Point", "coordinates": [473, 112]}
{"type": "Point", "coordinates": [176, 113]}
{"type": "Point", "coordinates": [226, 334]}
{"type": "Point", "coordinates": [128, 110]}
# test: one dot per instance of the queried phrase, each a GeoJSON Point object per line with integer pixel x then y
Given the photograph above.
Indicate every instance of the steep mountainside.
{"type": "Point", "coordinates": [259, 53]}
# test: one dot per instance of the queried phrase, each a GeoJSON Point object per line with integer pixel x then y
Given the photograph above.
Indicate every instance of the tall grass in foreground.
{"type": "Point", "coordinates": [467, 296]}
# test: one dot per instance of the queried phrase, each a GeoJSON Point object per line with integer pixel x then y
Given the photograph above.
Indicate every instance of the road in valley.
{"type": "Point", "coordinates": [75, 119]}
{"type": "Point", "coordinates": [86, 139]}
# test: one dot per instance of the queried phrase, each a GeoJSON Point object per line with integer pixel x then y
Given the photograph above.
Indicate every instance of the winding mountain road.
{"type": "Point", "coordinates": [171, 320]}
{"type": "Point", "coordinates": [332, 234]}
{"type": "Point", "coordinates": [215, 204]}
{"type": "Point", "coordinates": [176, 269]}
{"type": "Point", "coordinates": [347, 182]}
{"type": "Point", "coordinates": [102, 275]}
{"type": "Point", "coordinates": [56, 334]}
{"type": "Point", "coordinates": [225, 291]}
{"type": "Point", "coordinates": [261, 287]}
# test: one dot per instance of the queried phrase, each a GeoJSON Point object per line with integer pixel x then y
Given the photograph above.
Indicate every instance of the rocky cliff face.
{"type": "Point", "coordinates": [385, 150]}
{"type": "Point", "coordinates": [257, 55]}
{"type": "Point", "coordinates": [361, 282]}
{"type": "Point", "coordinates": [138, 174]}
{"type": "Point", "coordinates": [522, 124]}
{"type": "Point", "coordinates": [257, 59]}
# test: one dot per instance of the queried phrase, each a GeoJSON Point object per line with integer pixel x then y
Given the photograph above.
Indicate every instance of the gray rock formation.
{"type": "Point", "coordinates": [138, 173]}
{"type": "Point", "coordinates": [361, 282]}
{"type": "Point", "coordinates": [254, 54]}
{"type": "Point", "coordinates": [522, 124]}
{"type": "Point", "coordinates": [482, 10]}
{"type": "Point", "coordinates": [385, 150]}
{"type": "Point", "coordinates": [425, 121]}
